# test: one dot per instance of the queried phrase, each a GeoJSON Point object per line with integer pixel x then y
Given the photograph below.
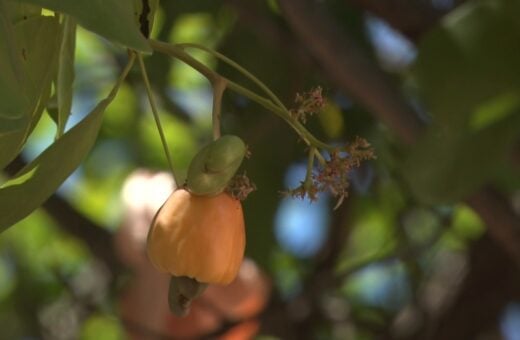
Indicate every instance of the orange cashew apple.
{"type": "Point", "coordinates": [200, 237]}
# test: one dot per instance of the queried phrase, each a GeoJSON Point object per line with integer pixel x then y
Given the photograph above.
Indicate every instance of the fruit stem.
{"type": "Point", "coordinates": [219, 86]}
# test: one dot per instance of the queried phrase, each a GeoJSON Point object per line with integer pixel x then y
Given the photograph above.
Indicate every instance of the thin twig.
{"type": "Point", "coordinates": [156, 116]}
{"type": "Point", "coordinates": [219, 86]}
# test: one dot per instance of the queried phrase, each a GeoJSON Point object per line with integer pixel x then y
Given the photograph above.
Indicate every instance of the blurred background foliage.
{"type": "Point", "coordinates": [394, 261]}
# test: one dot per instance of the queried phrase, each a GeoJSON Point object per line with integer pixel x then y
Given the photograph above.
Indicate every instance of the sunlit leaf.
{"type": "Point", "coordinates": [11, 143]}
{"type": "Point", "coordinates": [65, 76]}
{"type": "Point", "coordinates": [20, 11]}
{"type": "Point", "coordinates": [495, 110]}
{"type": "Point", "coordinates": [112, 19]}
{"type": "Point", "coordinates": [38, 180]}
{"type": "Point", "coordinates": [37, 39]}
{"type": "Point", "coordinates": [14, 104]}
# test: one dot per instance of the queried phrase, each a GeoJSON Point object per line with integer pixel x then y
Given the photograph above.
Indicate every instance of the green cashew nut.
{"type": "Point", "coordinates": [214, 165]}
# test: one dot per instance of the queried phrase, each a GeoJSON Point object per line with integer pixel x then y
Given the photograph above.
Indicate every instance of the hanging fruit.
{"type": "Point", "coordinates": [201, 237]}
{"type": "Point", "coordinates": [198, 235]}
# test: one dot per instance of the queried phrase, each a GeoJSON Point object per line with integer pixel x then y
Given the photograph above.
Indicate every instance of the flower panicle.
{"type": "Point", "coordinates": [332, 175]}
{"type": "Point", "coordinates": [307, 104]}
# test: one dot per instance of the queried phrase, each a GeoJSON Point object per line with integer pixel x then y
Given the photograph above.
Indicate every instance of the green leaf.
{"type": "Point", "coordinates": [20, 11]}
{"type": "Point", "coordinates": [38, 180]}
{"type": "Point", "coordinates": [11, 143]}
{"type": "Point", "coordinates": [65, 76]}
{"type": "Point", "coordinates": [470, 58]}
{"type": "Point", "coordinates": [112, 19]}
{"type": "Point", "coordinates": [468, 70]}
{"type": "Point", "coordinates": [14, 104]}
{"type": "Point", "coordinates": [26, 191]}
{"type": "Point", "coordinates": [52, 108]}
{"type": "Point", "coordinates": [37, 39]}
{"type": "Point", "coordinates": [449, 164]}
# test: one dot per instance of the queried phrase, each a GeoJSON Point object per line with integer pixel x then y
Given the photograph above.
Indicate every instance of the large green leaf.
{"type": "Point", "coordinates": [468, 70]}
{"type": "Point", "coordinates": [448, 164]}
{"type": "Point", "coordinates": [32, 185]}
{"type": "Point", "coordinates": [14, 104]}
{"type": "Point", "coordinates": [38, 180]}
{"type": "Point", "coordinates": [65, 76]}
{"type": "Point", "coordinates": [37, 39]}
{"type": "Point", "coordinates": [112, 19]}
{"type": "Point", "coordinates": [471, 57]}
{"type": "Point", "coordinates": [11, 143]}
{"type": "Point", "coordinates": [19, 11]}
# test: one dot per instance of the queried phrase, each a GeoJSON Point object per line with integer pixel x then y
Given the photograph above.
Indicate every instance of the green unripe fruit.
{"type": "Point", "coordinates": [214, 165]}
